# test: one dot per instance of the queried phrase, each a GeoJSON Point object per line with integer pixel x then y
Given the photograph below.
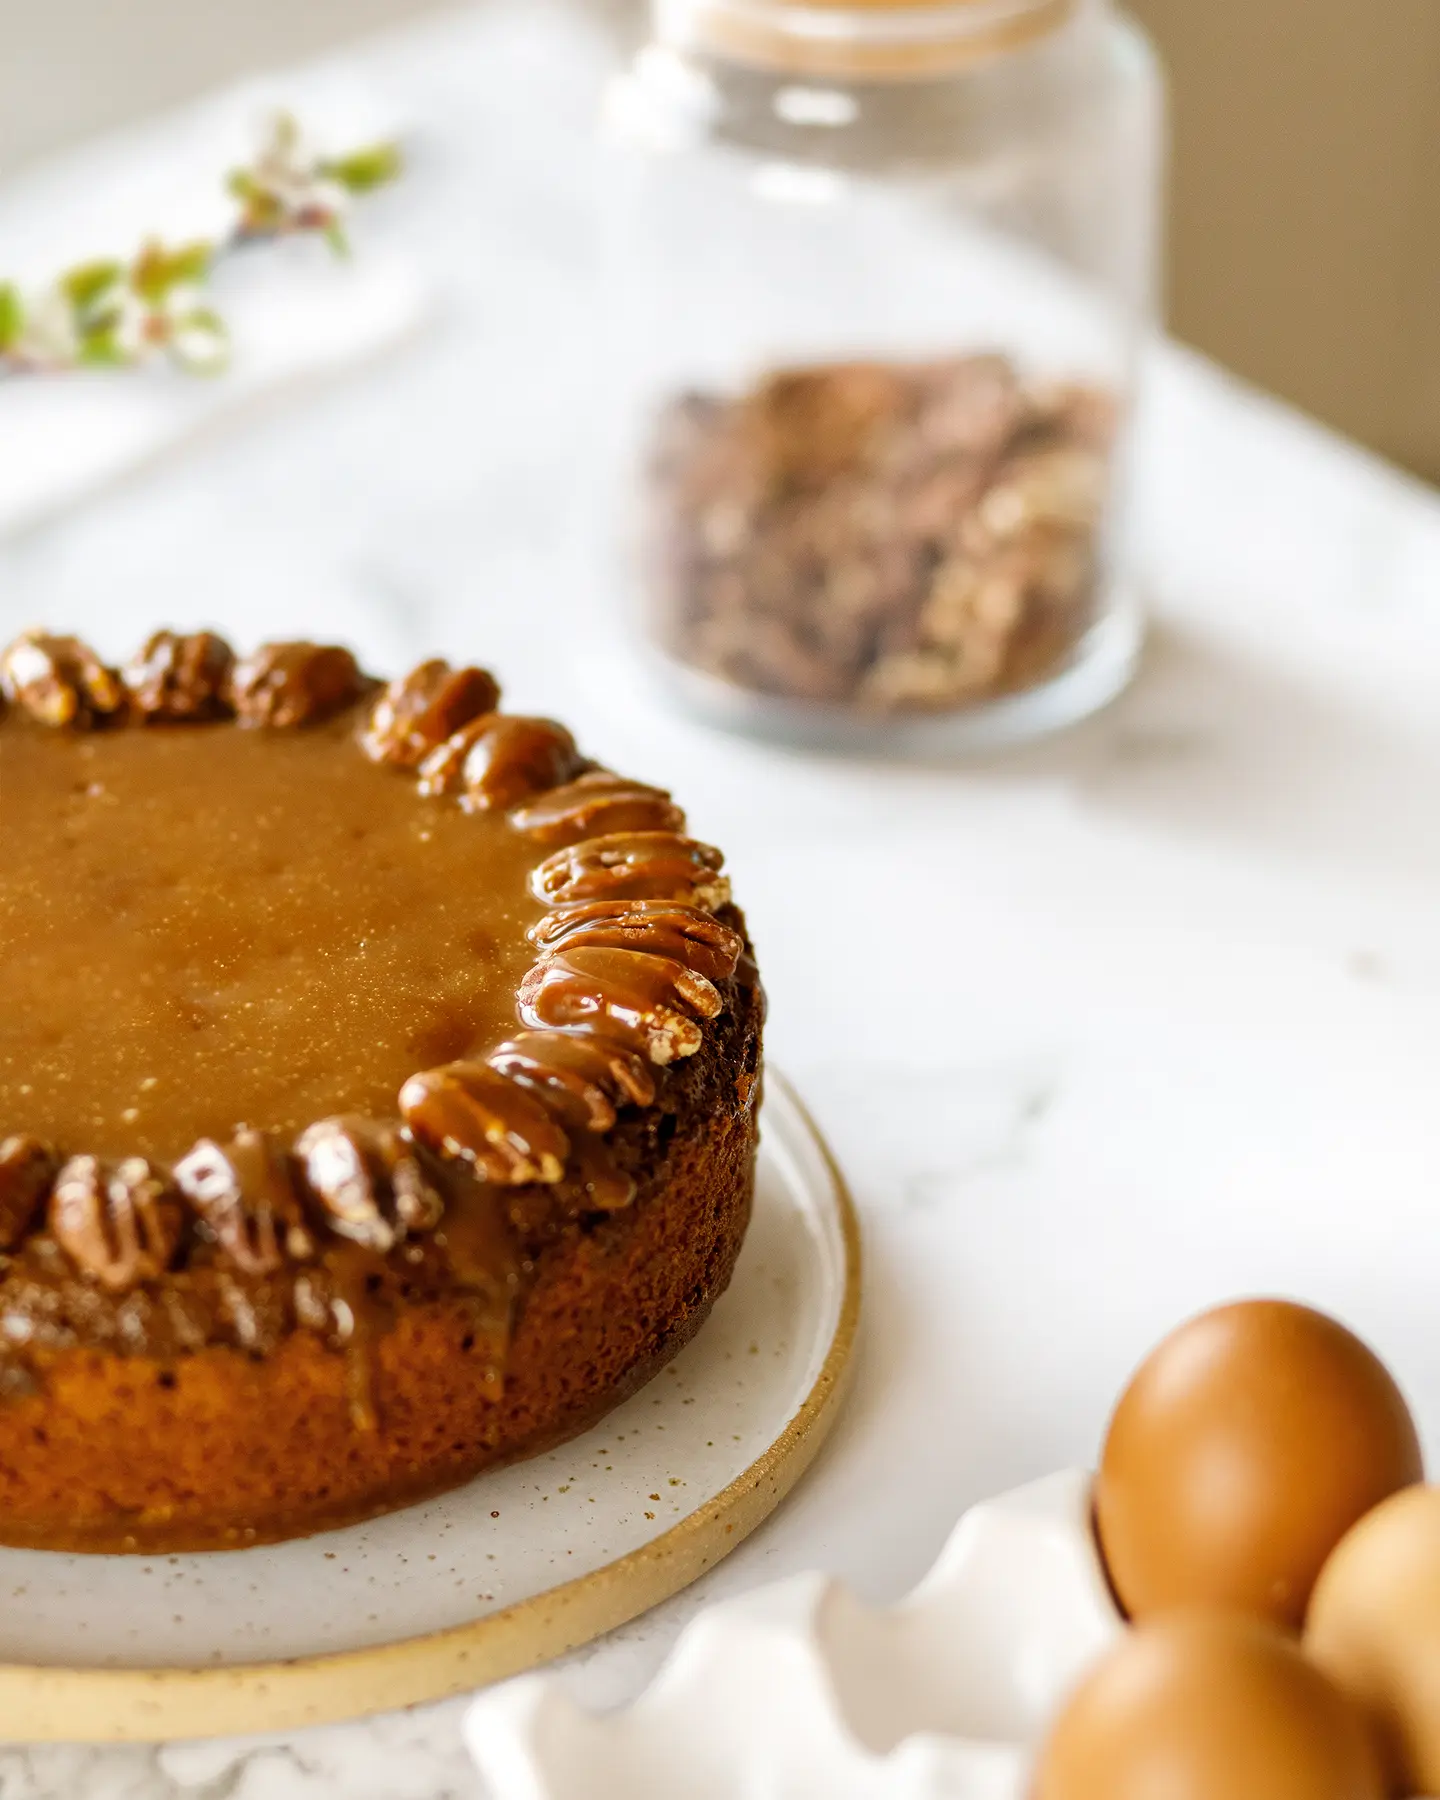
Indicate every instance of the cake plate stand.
{"type": "Point", "coordinates": [494, 1578]}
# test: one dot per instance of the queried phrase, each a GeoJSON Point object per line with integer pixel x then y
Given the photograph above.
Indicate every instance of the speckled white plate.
{"type": "Point", "coordinates": [489, 1580]}
{"type": "Point", "coordinates": [799, 1689]}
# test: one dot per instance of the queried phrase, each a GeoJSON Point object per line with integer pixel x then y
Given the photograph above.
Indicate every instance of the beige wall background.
{"type": "Point", "coordinates": [1305, 236]}
{"type": "Point", "coordinates": [72, 67]}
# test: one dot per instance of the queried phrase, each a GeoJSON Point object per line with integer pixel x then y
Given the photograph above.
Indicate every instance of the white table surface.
{"type": "Point", "coordinates": [1102, 1032]}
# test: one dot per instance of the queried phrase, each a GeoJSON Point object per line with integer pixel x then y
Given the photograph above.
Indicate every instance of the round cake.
{"type": "Point", "coordinates": [378, 1089]}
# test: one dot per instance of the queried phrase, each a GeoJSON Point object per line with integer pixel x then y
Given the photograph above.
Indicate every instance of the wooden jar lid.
{"type": "Point", "coordinates": [868, 40]}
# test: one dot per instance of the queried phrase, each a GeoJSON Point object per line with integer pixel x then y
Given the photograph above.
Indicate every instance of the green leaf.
{"type": "Point", "coordinates": [284, 138]}
{"type": "Point", "coordinates": [87, 282]}
{"type": "Point", "coordinates": [334, 233]}
{"type": "Point", "coordinates": [261, 214]}
{"type": "Point", "coordinates": [105, 318]}
{"type": "Point", "coordinates": [191, 262]}
{"type": "Point", "coordinates": [203, 318]}
{"type": "Point", "coordinates": [12, 316]}
{"type": "Point", "coordinates": [201, 342]}
{"type": "Point", "coordinates": [361, 171]}
{"type": "Point", "coordinates": [102, 350]}
{"type": "Point", "coordinates": [157, 272]}
{"type": "Point", "coordinates": [259, 202]}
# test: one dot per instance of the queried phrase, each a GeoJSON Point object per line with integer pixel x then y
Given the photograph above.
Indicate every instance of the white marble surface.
{"type": "Point", "coordinates": [1147, 1016]}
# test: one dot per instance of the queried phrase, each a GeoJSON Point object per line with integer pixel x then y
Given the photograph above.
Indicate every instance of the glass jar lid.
{"type": "Point", "coordinates": [859, 39]}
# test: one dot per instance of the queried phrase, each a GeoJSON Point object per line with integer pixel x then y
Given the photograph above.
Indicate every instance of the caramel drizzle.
{"type": "Point", "coordinates": [59, 681]}
{"type": "Point", "coordinates": [594, 804]}
{"type": "Point", "coordinates": [652, 999]}
{"type": "Point", "coordinates": [685, 934]}
{"type": "Point", "coordinates": [120, 1222]}
{"type": "Point", "coordinates": [634, 865]}
{"type": "Point", "coordinates": [471, 1113]}
{"type": "Point", "coordinates": [629, 961]}
{"type": "Point", "coordinates": [424, 709]}
{"type": "Point", "coordinates": [498, 760]}
{"type": "Point", "coordinates": [480, 1252]}
{"type": "Point", "coordinates": [358, 1313]}
{"type": "Point", "coordinates": [244, 1196]}
{"type": "Point", "coordinates": [602, 1186]}
{"type": "Point", "coordinates": [582, 1078]}
{"type": "Point", "coordinates": [27, 1173]}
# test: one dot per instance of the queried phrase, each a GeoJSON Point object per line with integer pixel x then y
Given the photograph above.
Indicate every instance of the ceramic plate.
{"type": "Point", "coordinates": [495, 1577]}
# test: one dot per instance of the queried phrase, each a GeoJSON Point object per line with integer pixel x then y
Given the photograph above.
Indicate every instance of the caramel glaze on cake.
{"type": "Point", "coordinates": [378, 1082]}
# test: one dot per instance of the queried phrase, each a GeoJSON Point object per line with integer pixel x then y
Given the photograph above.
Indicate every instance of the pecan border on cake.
{"type": "Point", "coordinates": [631, 960]}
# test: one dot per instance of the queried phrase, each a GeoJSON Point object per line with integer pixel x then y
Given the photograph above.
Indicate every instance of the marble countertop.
{"type": "Point", "coordinates": [1144, 1017]}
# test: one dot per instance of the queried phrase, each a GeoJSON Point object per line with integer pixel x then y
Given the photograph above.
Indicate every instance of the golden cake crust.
{"type": "Point", "coordinates": [218, 1448]}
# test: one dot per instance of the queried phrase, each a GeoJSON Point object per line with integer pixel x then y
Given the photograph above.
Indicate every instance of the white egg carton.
{"type": "Point", "coordinates": [798, 1689]}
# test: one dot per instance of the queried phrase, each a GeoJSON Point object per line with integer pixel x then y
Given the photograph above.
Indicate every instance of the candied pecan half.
{"type": "Point", "coordinates": [369, 1179]}
{"type": "Point", "coordinates": [283, 685]}
{"type": "Point", "coordinates": [443, 770]}
{"type": "Point", "coordinates": [634, 865]}
{"type": "Point", "coordinates": [583, 1077]}
{"type": "Point", "coordinates": [499, 760]}
{"type": "Point", "coordinates": [663, 927]}
{"type": "Point", "coordinates": [183, 679]}
{"type": "Point", "coordinates": [471, 1111]}
{"type": "Point", "coordinates": [27, 1168]}
{"type": "Point", "coordinates": [244, 1196]}
{"type": "Point", "coordinates": [595, 804]}
{"type": "Point", "coordinates": [119, 1223]}
{"type": "Point", "coordinates": [652, 995]}
{"type": "Point", "coordinates": [59, 680]}
{"type": "Point", "coordinates": [416, 714]}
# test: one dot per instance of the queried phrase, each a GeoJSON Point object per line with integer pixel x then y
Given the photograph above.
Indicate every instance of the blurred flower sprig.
{"type": "Point", "coordinates": [110, 313]}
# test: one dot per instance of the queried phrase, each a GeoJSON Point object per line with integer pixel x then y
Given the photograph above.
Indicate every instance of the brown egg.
{"type": "Point", "coordinates": [1374, 1624]}
{"type": "Point", "coordinates": [1208, 1706]}
{"type": "Point", "coordinates": [1243, 1450]}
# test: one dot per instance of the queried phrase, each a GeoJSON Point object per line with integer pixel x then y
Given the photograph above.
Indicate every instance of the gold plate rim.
{"type": "Point", "coordinates": [52, 1703]}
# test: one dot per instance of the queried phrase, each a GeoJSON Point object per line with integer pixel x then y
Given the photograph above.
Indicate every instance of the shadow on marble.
{"type": "Point", "coordinates": [1211, 742]}
{"type": "Point", "coordinates": [1215, 744]}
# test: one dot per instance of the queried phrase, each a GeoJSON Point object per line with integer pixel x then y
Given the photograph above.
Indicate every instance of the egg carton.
{"type": "Point", "coordinates": [799, 1689]}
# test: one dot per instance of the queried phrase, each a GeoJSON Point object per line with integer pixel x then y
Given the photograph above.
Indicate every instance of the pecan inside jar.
{"type": "Point", "coordinates": [886, 537]}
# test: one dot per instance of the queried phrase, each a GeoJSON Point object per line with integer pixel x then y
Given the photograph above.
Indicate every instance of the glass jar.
{"type": "Point", "coordinates": [881, 276]}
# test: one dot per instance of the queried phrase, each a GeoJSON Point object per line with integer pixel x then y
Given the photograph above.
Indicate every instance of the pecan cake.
{"type": "Point", "coordinates": [378, 1081]}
